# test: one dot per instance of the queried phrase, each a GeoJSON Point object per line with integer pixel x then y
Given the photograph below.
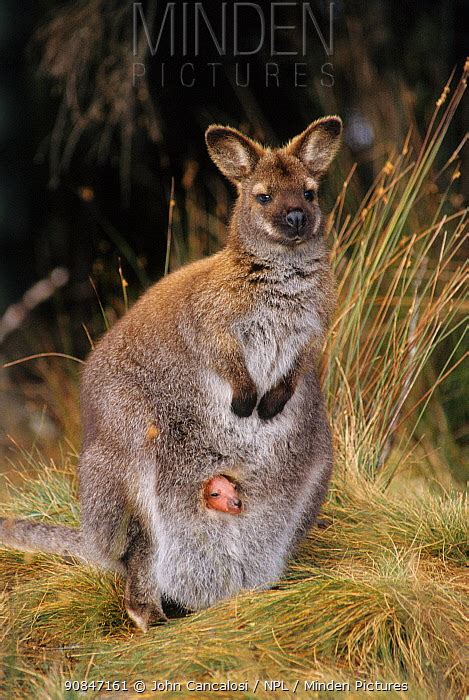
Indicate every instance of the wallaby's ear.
{"type": "Point", "coordinates": [235, 154]}
{"type": "Point", "coordinates": [317, 145]}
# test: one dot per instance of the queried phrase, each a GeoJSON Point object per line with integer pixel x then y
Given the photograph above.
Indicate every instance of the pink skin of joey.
{"type": "Point", "coordinates": [222, 494]}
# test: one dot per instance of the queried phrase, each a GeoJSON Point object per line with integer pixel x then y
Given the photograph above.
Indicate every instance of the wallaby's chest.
{"type": "Point", "coordinates": [273, 335]}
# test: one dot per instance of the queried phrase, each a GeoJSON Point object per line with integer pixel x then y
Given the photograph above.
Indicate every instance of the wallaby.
{"type": "Point", "coordinates": [222, 494]}
{"type": "Point", "coordinates": [212, 372]}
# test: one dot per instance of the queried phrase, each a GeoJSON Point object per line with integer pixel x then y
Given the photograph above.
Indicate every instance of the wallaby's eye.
{"type": "Point", "coordinates": [264, 198]}
{"type": "Point", "coordinates": [215, 494]}
{"type": "Point", "coordinates": [309, 195]}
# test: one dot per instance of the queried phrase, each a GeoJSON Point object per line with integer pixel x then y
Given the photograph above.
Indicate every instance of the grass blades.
{"type": "Point", "coordinates": [400, 288]}
{"type": "Point", "coordinates": [381, 593]}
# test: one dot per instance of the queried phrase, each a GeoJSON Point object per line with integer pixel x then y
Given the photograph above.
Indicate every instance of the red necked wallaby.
{"type": "Point", "coordinates": [222, 494]}
{"type": "Point", "coordinates": [212, 372]}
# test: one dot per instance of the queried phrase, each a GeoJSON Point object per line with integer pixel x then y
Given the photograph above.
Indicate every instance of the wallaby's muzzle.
{"type": "Point", "coordinates": [296, 218]}
{"type": "Point", "coordinates": [234, 505]}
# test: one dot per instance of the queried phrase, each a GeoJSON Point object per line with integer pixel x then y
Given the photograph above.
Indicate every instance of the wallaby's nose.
{"type": "Point", "coordinates": [296, 218]}
{"type": "Point", "coordinates": [235, 503]}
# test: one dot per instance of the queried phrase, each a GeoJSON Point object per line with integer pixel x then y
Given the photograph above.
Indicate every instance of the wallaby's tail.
{"type": "Point", "coordinates": [29, 536]}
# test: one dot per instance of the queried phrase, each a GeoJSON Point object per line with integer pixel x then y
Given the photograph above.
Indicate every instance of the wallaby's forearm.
{"type": "Point", "coordinates": [275, 399]}
{"type": "Point", "coordinates": [229, 362]}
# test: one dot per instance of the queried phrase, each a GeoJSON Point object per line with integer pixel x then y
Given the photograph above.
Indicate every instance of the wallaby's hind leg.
{"type": "Point", "coordinates": [105, 513]}
{"type": "Point", "coordinates": [142, 597]}
{"type": "Point", "coordinates": [111, 527]}
{"type": "Point", "coordinates": [313, 504]}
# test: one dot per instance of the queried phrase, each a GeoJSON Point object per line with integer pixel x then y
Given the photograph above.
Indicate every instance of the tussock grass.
{"type": "Point", "coordinates": [400, 285]}
{"type": "Point", "coordinates": [380, 594]}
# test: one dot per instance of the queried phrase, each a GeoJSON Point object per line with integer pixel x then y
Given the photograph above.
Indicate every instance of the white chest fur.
{"type": "Point", "coordinates": [272, 338]}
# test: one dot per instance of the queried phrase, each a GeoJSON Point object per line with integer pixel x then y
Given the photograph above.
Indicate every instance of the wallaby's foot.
{"type": "Point", "coordinates": [142, 597]}
{"type": "Point", "coordinates": [244, 401]}
{"type": "Point", "coordinates": [142, 613]}
{"type": "Point", "coordinates": [274, 400]}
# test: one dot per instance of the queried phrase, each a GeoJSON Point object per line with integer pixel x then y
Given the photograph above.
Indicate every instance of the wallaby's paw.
{"type": "Point", "coordinates": [243, 404]}
{"type": "Point", "coordinates": [273, 402]}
